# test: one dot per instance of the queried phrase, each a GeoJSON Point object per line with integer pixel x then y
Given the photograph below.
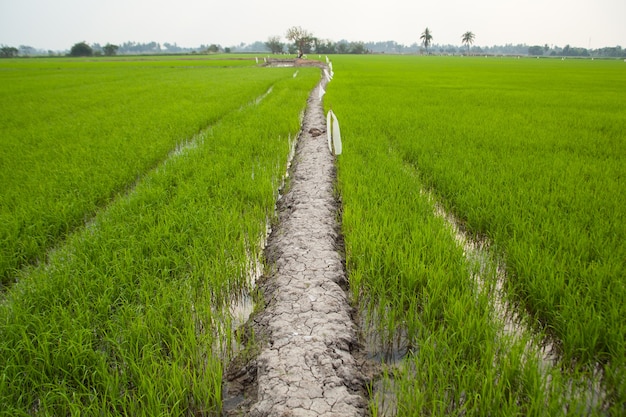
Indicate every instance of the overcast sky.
{"type": "Point", "coordinates": [59, 24]}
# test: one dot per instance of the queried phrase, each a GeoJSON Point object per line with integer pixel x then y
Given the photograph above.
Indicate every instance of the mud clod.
{"type": "Point", "coordinates": [315, 132]}
{"type": "Point", "coordinates": [305, 364]}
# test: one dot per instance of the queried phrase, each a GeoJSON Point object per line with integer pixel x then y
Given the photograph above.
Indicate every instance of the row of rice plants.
{"type": "Point", "coordinates": [217, 60]}
{"type": "Point", "coordinates": [130, 316]}
{"type": "Point", "coordinates": [545, 186]}
{"type": "Point", "coordinates": [410, 277]}
{"type": "Point", "coordinates": [453, 125]}
{"type": "Point", "coordinates": [76, 133]}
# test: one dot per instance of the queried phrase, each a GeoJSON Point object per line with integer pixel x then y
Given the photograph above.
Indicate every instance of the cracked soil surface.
{"type": "Point", "coordinates": [305, 335]}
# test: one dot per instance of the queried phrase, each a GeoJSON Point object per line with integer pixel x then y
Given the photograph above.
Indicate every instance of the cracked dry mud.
{"type": "Point", "coordinates": [305, 335]}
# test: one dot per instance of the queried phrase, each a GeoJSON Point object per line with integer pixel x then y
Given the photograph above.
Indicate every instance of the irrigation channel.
{"type": "Point", "coordinates": [302, 362]}
{"type": "Point", "coordinates": [489, 274]}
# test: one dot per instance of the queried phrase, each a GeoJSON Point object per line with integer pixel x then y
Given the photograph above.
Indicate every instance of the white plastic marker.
{"type": "Point", "coordinates": [321, 92]}
{"type": "Point", "coordinates": [334, 134]}
{"type": "Point", "coordinates": [329, 130]}
{"type": "Point", "coordinates": [295, 74]}
{"type": "Point", "coordinates": [328, 76]}
{"type": "Point", "coordinates": [257, 59]}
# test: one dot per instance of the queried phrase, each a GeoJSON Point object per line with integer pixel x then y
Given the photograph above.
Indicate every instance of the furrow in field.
{"type": "Point", "coordinates": [489, 275]}
{"type": "Point", "coordinates": [242, 306]}
{"type": "Point", "coordinates": [305, 332]}
{"type": "Point", "coordinates": [80, 139]}
{"type": "Point", "coordinates": [179, 151]}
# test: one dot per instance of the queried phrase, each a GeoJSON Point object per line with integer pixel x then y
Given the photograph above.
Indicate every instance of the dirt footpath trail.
{"type": "Point", "coordinates": [305, 333]}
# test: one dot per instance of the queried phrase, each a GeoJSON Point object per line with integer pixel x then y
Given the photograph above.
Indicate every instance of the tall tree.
{"type": "Point", "coordinates": [343, 47]}
{"type": "Point", "coordinates": [8, 51]}
{"type": "Point", "coordinates": [274, 44]}
{"type": "Point", "coordinates": [110, 50]}
{"type": "Point", "coordinates": [325, 46]}
{"type": "Point", "coordinates": [303, 39]}
{"type": "Point", "coordinates": [427, 38]}
{"type": "Point", "coordinates": [81, 49]}
{"type": "Point", "coordinates": [357, 48]}
{"type": "Point", "coordinates": [468, 39]}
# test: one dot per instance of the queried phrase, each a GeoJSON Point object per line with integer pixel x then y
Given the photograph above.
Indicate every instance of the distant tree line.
{"type": "Point", "coordinates": [315, 45]}
{"type": "Point", "coordinates": [8, 52]}
{"type": "Point", "coordinates": [307, 43]}
{"type": "Point", "coordinates": [303, 42]}
{"type": "Point", "coordinates": [137, 48]}
{"type": "Point", "coordinates": [546, 50]}
{"type": "Point", "coordinates": [23, 50]}
{"type": "Point", "coordinates": [83, 49]}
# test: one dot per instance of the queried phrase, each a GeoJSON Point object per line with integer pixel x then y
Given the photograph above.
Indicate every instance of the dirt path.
{"type": "Point", "coordinates": [305, 333]}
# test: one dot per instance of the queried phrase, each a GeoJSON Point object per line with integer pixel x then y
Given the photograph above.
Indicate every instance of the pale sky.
{"type": "Point", "coordinates": [59, 24]}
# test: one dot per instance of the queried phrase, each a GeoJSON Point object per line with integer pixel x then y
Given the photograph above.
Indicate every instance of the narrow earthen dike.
{"type": "Point", "coordinates": [304, 365]}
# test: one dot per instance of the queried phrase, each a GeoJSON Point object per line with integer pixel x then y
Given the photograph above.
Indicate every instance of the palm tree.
{"type": "Point", "coordinates": [468, 39]}
{"type": "Point", "coordinates": [426, 38]}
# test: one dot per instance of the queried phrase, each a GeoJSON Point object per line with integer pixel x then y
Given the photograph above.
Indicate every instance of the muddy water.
{"type": "Point", "coordinates": [490, 274]}
{"type": "Point", "coordinates": [305, 336]}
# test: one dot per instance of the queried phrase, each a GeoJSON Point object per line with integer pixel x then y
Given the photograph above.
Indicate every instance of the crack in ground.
{"type": "Point", "coordinates": [306, 335]}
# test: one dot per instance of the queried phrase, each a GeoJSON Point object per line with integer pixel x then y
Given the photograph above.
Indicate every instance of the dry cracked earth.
{"type": "Point", "coordinates": [305, 337]}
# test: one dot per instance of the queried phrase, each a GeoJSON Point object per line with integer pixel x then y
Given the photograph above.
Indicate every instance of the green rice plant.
{"type": "Point", "coordinates": [130, 315]}
{"type": "Point", "coordinates": [75, 134]}
{"type": "Point", "coordinates": [514, 149]}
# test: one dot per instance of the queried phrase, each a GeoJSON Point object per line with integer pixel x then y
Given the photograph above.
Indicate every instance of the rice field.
{"type": "Point", "coordinates": [146, 189]}
{"type": "Point", "coordinates": [530, 156]}
{"type": "Point", "coordinates": [77, 133]}
{"type": "Point", "coordinates": [136, 194]}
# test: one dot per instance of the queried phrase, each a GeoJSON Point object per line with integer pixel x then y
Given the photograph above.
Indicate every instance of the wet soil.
{"type": "Point", "coordinates": [304, 341]}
